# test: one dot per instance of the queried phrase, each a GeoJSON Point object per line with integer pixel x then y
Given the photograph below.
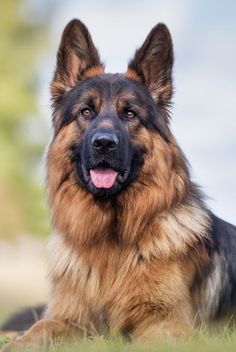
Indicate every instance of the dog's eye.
{"type": "Point", "coordinates": [86, 112]}
{"type": "Point", "coordinates": [130, 114]}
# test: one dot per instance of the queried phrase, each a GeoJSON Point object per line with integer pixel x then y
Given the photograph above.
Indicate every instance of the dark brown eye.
{"type": "Point", "coordinates": [86, 112]}
{"type": "Point", "coordinates": [130, 114]}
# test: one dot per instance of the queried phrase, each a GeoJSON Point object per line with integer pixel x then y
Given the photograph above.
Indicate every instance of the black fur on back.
{"type": "Point", "coordinates": [225, 238]}
{"type": "Point", "coordinates": [218, 284]}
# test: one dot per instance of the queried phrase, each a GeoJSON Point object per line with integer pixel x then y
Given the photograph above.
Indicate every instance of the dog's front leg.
{"type": "Point", "coordinates": [145, 333]}
{"type": "Point", "coordinates": [43, 333]}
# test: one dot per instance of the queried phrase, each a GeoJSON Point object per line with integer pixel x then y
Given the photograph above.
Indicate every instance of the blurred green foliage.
{"type": "Point", "coordinates": [22, 200]}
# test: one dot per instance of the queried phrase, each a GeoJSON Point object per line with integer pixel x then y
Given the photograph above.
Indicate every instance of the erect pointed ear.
{"type": "Point", "coordinates": [76, 55]}
{"type": "Point", "coordinates": [153, 63]}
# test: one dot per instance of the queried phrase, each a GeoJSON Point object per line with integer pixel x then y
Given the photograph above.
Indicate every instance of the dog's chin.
{"type": "Point", "coordinates": [104, 193]}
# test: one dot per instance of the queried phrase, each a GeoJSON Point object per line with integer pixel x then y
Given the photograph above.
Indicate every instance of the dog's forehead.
{"type": "Point", "coordinates": [111, 86]}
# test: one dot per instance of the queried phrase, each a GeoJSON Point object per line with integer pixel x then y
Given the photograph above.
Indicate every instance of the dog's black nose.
{"type": "Point", "coordinates": [104, 141]}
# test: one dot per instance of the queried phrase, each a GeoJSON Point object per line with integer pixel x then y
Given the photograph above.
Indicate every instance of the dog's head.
{"type": "Point", "coordinates": [104, 123]}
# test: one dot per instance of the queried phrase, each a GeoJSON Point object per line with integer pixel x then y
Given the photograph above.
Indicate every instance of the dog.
{"type": "Point", "coordinates": [136, 251]}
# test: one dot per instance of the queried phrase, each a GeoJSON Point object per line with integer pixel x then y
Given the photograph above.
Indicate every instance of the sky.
{"type": "Point", "coordinates": [203, 114]}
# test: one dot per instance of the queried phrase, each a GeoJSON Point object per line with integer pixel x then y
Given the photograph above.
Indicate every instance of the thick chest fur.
{"type": "Point", "coordinates": [116, 288]}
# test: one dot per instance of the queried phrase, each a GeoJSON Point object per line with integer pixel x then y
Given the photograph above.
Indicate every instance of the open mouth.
{"type": "Point", "coordinates": [105, 177]}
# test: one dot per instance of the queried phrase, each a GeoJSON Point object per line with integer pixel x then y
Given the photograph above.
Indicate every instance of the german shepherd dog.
{"type": "Point", "coordinates": [136, 251]}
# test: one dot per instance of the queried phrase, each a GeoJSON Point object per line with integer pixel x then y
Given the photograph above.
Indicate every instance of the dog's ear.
{"type": "Point", "coordinates": [153, 63]}
{"type": "Point", "coordinates": [76, 55]}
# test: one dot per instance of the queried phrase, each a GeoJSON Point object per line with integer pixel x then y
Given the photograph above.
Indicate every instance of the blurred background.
{"type": "Point", "coordinates": [203, 116]}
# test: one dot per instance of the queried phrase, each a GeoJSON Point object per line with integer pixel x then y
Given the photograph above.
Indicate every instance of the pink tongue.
{"type": "Point", "coordinates": [103, 178]}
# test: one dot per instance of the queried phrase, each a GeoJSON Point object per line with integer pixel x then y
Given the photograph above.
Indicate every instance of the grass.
{"type": "Point", "coordinates": [3, 340]}
{"type": "Point", "coordinates": [209, 343]}
{"type": "Point", "coordinates": [225, 342]}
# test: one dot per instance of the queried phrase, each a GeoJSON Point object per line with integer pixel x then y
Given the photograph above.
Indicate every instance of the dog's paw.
{"type": "Point", "coordinates": [40, 335]}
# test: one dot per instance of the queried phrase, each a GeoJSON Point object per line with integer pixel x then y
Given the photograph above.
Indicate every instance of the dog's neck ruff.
{"type": "Point", "coordinates": [180, 230]}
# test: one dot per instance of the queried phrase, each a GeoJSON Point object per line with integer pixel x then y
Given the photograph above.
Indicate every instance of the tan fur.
{"type": "Point", "coordinates": [132, 75]}
{"type": "Point", "coordinates": [94, 71]}
{"type": "Point", "coordinates": [134, 281]}
{"type": "Point", "coordinates": [159, 92]}
{"type": "Point", "coordinates": [102, 282]}
{"type": "Point", "coordinates": [42, 334]}
{"type": "Point", "coordinates": [126, 265]}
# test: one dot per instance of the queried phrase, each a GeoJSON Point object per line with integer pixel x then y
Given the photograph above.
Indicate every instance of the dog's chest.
{"type": "Point", "coordinates": [121, 289]}
{"type": "Point", "coordinates": [115, 288]}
